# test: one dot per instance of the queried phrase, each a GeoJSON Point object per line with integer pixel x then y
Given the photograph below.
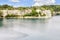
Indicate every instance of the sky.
{"type": "Point", "coordinates": [26, 3]}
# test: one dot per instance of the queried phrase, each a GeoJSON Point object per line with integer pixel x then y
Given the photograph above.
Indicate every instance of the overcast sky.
{"type": "Point", "coordinates": [17, 3]}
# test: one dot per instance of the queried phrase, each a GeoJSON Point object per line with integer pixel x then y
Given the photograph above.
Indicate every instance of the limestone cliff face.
{"type": "Point", "coordinates": [47, 12]}
{"type": "Point", "coordinates": [22, 12]}
{"type": "Point", "coordinates": [16, 12]}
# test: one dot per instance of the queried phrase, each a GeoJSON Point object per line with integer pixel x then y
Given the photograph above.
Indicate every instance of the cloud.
{"type": "Point", "coordinates": [14, 0]}
{"type": "Point", "coordinates": [43, 2]}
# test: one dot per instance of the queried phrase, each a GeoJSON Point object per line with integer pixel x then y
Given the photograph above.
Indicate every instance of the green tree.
{"type": "Point", "coordinates": [1, 14]}
{"type": "Point", "coordinates": [33, 14]}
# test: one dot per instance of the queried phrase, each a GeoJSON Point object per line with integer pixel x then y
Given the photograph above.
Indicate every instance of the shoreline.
{"type": "Point", "coordinates": [27, 17]}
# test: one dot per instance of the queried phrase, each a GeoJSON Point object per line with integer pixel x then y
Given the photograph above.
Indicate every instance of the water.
{"type": "Point", "coordinates": [30, 29]}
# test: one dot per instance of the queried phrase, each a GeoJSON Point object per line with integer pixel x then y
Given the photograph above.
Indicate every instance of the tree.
{"type": "Point", "coordinates": [33, 13]}
{"type": "Point", "coordinates": [3, 7]}
{"type": "Point", "coordinates": [1, 14]}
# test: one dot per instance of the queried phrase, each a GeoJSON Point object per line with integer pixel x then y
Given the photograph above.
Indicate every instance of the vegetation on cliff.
{"type": "Point", "coordinates": [53, 8]}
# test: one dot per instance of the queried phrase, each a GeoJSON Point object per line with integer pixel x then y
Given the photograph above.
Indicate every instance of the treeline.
{"type": "Point", "coordinates": [44, 7]}
{"type": "Point", "coordinates": [48, 7]}
{"type": "Point", "coordinates": [5, 7]}
{"type": "Point", "coordinates": [52, 7]}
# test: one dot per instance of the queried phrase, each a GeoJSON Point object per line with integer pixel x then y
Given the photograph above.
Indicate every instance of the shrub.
{"type": "Point", "coordinates": [1, 14]}
{"type": "Point", "coordinates": [43, 15]}
{"type": "Point", "coordinates": [12, 15]}
{"type": "Point", "coordinates": [33, 13]}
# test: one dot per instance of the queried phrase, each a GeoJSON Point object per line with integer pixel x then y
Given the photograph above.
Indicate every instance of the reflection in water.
{"type": "Point", "coordinates": [30, 29]}
{"type": "Point", "coordinates": [1, 23]}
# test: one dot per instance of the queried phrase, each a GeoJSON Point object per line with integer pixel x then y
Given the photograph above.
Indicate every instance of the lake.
{"type": "Point", "coordinates": [30, 29]}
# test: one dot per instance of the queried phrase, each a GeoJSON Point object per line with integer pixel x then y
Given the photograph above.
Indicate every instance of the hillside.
{"type": "Point", "coordinates": [44, 7]}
